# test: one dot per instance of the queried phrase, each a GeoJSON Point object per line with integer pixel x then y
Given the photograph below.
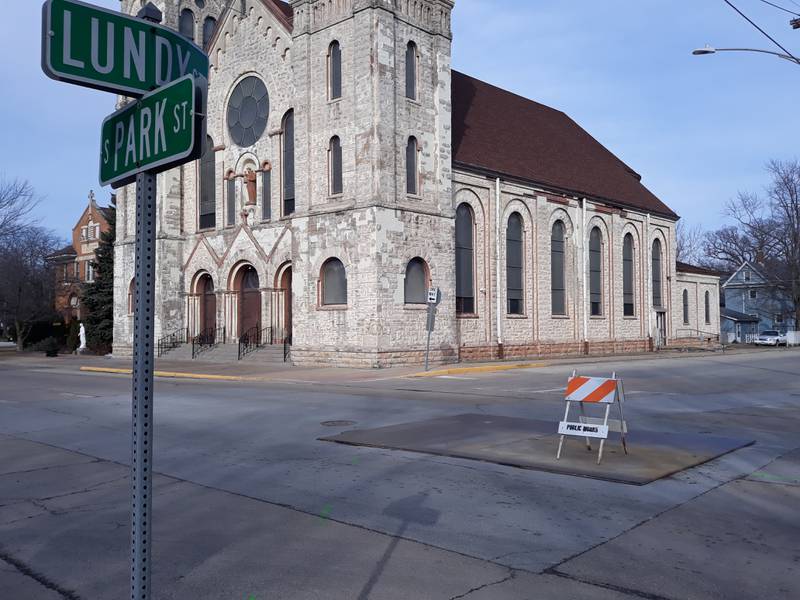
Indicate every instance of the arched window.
{"type": "Point", "coordinates": [465, 281]}
{"type": "Point", "coordinates": [412, 59]}
{"type": "Point", "coordinates": [334, 71]}
{"type": "Point", "coordinates": [416, 283]}
{"type": "Point", "coordinates": [412, 166]}
{"type": "Point", "coordinates": [230, 200]}
{"type": "Point", "coordinates": [334, 283]}
{"type": "Point", "coordinates": [685, 307]}
{"type": "Point", "coordinates": [208, 187]}
{"type": "Point", "coordinates": [514, 266]}
{"type": "Point", "coordinates": [629, 306]}
{"type": "Point", "coordinates": [266, 191]}
{"type": "Point", "coordinates": [657, 296]}
{"type": "Point", "coordinates": [558, 288]}
{"type": "Point", "coordinates": [708, 308]}
{"type": "Point", "coordinates": [287, 155]}
{"type": "Point", "coordinates": [186, 24]}
{"type": "Point", "coordinates": [596, 272]}
{"type": "Point", "coordinates": [335, 184]}
{"type": "Point", "coordinates": [209, 27]}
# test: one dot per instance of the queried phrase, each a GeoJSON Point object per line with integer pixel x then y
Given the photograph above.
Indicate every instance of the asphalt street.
{"type": "Point", "coordinates": [249, 504]}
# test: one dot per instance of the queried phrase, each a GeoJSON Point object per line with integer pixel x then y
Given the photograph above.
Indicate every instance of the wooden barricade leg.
{"type": "Point", "coordinates": [561, 441]}
{"type": "Point", "coordinates": [603, 442]}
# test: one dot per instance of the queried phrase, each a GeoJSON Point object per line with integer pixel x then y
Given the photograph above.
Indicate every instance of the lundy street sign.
{"type": "Point", "coordinates": [107, 50]}
{"type": "Point", "coordinates": [160, 130]}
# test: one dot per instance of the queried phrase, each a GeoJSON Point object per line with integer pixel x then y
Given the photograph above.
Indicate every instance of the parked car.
{"type": "Point", "coordinates": [771, 337]}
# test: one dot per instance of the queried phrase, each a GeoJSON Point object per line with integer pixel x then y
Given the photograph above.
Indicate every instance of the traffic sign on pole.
{"type": "Point", "coordinates": [161, 130]}
{"type": "Point", "coordinates": [107, 50]}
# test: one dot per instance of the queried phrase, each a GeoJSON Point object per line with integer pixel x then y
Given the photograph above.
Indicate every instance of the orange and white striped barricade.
{"type": "Point", "coordinates": [593, 390]}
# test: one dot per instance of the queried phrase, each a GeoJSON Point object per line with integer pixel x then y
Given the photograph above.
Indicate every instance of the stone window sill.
{"type": "Point", "coordinates": [523, 316]}
{"type": "Point", "coordinates": [630, 318]}
{"type": "Point", "coordinates": [332, 307]}
{"type": "Point", "coordinates": [415, 307]}
{"type": "Point", "coordinates": [467, 316]}
{"type": "Point", "coordinates": [561, 317]}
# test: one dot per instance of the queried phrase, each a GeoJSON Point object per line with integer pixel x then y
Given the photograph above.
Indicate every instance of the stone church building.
{"type": "Point", "coordinates": [348, 169]}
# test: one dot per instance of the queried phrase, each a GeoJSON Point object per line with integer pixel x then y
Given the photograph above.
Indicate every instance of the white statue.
{"type": "Point", "coordinates": [82, 335]}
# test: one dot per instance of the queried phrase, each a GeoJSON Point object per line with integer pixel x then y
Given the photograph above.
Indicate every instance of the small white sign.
{"type": "Point", "coordinates": [583, 430]}
{"type": "Point", "coordinates": [433, 295]}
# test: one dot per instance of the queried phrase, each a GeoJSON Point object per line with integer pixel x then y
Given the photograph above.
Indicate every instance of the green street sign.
{"type": "Point", "coordinates": [161, 130]}
{"type": "Point", "coordinates": [107, 50]}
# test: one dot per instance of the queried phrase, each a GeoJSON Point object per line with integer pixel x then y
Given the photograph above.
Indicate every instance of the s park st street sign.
{"type": "Point", "coordinates": [161, 130]}
{"type": "Point", "coordinates": [107, 50]}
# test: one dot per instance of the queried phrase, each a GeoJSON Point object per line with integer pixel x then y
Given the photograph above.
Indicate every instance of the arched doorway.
{"type": "Point", "coordinates": [208, 304]}
{"type": "Point", "coordinates": [282, 311]}
{"type": "Point", "coordinates": [247, 288]}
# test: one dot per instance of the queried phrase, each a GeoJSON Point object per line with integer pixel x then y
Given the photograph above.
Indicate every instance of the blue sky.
{"type": "Point", "coordinates": [698, 129]}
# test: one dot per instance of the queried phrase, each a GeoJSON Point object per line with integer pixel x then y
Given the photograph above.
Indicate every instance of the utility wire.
{"type": "Point", "coordinates": [786, 10]}
{"type": "Point", "coordinates": [768, 36]}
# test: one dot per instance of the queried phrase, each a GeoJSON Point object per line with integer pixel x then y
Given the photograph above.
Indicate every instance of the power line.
{"type": "Point", "coordinates": [791, 12]}
{"type": "Point", "coordinates": [768, 36]}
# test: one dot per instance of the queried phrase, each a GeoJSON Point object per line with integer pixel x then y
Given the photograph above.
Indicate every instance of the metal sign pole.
{"type": "Point", "coordinates": [428, 350]}
{"type": "Point", "coordinates": [142, 418]}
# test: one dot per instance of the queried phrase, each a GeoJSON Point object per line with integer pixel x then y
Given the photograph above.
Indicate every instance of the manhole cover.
{"type": "Point", "coordinates": [337, 423]}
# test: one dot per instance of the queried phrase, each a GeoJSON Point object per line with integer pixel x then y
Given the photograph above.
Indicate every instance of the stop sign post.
{"type": "Point", "coordinates": [135, 57]}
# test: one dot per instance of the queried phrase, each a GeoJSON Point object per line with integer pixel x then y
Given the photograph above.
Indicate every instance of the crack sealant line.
{"type": "Point", "coordinates": [42, 580]}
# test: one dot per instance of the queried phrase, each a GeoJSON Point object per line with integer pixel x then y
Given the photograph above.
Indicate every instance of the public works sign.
{"type": "Point", "coordinates": [102, 49]}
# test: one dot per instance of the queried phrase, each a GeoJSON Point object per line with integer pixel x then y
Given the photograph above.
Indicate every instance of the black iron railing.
{"type": "Point", "coordinates": [253, 339]}
{"type": "Point", "coordinates": [210, 338]}
{"type": "Point", "coordinates": [287, 347]}
{"type": "Point", "coordinates": [172, 341]}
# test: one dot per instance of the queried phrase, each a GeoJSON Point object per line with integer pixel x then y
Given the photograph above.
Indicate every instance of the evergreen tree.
{"type": "Point", "coordinates": [98, 296]}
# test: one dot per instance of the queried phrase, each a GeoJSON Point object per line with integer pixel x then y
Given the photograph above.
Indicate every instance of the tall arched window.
{"type": "Point", "coordinates": [465, 281]}
{"type": "Point", "coordinates": [334, 283]}
{"type": "Point", "coordinates": [334, 71]}
{"type": "Point", "coordinates": [266, 191]}
{"type": "Point", "coordinates": [416, 282]}
{"type": "Point", "coordinates": [412, 60]}
{"type": "Point", "coordinates": [287, 156]}
{"type": "Point", "coordinates": [208, 187]}
{"type": "Point", "coordinates": [186, 24]}
{"type": "Point", "coordinates": [558, 288]}
{"type": "Point", "coordinates": [685, 307]}
{"type": "Point", "coordinates": [628, 302]}
{"type": "Point", "coordinates": [708, 307]}
{"type": "Point", "coordinates": [230, 200]}
{"type": "Point", "coordinates": [335, 166]}
{"type": "Point", "coordinates": [514, 266]}
{"type": "Point", "coordinates": [209, 27]}
{"type": "Point", "coordinates": [596, 272]}
{"type": "Point", "coordinates": [657, 295]}
{"type": "Point", "coordinates": [412, 166]}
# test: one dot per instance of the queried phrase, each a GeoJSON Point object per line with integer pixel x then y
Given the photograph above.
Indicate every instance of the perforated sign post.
{"type": "Point", "coordinates": [434, 299]}
{"type": "Point", "coordinates": [593, 390]}
{"type": "Point", "coordinates": [135, 57]}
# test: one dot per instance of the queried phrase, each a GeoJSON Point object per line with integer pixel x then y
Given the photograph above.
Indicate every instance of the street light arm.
{"type": "Point", "coordinates": [701, 51]}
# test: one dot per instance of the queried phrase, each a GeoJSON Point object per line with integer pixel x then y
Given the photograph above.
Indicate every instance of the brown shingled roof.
{"type": "Point", "coordinates": [506, 134]}
{"type": "Point", "coordinates": [683, 267]}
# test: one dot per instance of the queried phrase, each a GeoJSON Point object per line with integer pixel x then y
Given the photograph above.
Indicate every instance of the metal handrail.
{"type": "Point", "coordinates": [698, 332]}
{"type": "Point", "coordinates": [287, 347]}
{"type": "Point", "coordinates": [253, 339]}
{"type": "Point", "coordinates": [172, 341]}
{"type": "Point", "coordinates": [206, 340]}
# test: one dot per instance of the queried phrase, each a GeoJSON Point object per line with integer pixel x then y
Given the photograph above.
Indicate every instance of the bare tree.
{"type": "Point", "coordinates": [690, 243]}
{"type": "Point", "coordinates": [26, 280]}
{"type": "Point", "coordinates": [726, 249]}
{"type": "Point", "coordinates": [17, 200]}
{"type": "Point", "coordinates": [768, 228]}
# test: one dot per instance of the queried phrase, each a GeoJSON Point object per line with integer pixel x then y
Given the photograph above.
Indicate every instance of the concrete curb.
{"type": "Point", "coordinates": [480, 369]}
{"type": "Point", "coordinates": [166, 374]}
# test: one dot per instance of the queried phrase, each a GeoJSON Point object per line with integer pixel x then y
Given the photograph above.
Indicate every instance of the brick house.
{"type": "Point", "coordinates": [72, 265]}
{"type": "Point", "coordinates": [348, 168]}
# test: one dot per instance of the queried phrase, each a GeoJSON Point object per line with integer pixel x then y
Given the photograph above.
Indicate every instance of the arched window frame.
{"type": "Point", "coordinates": [515, 264]}
{"type": "Point", "coordinates": [415, 293]}
{"type": "Point", "coordinates": [412, 71]}
{"type": "Point", "coordinates": [596, 272]}
{"type": "Point", "coordinates": [334, 61]}
{"type": "Point", "coordinates": [230, 198]}
{"type": "Point", "coordinates": [685, 307]}
{"type": "Point", "coordinates": [465, 260]}
{"type": "Point", "coordinates": [266, 191]}
{"type": "Point", "coordinates": [209, 28]}
{"type": "Point", "coordinates": [207, 201]}
{"type": "Point", "coordinates": [628, 276]}
{"type": "Point", "coordinates": [413, 178]}
{"type": "Point", "coordinates": [558, 269]}
{"type": "Point", "coordinates": [329, 295]}
{"type": "Point", "coordinates": [708, 307]}
{"type": "Point", "coordinates": [335, 167]}
{"type": "Point", "coordinates": [657, 276]}
{"type": "Point", "coordinates": [186, 24]}
{"type": "Point", "coordinates": [288, 163]}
